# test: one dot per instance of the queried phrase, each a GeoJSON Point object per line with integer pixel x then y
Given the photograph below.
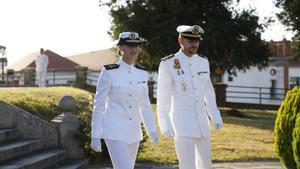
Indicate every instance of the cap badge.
{"type": "Point", "coordinates": [132, 36]}
{"type": "Point", "coordinates": [196, 30]}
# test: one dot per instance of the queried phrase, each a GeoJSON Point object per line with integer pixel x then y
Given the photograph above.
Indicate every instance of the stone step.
{"type": "Point", "coordinates": [8, 134]}
{"type": "Point", "coordinates": [16, 148]}
{"type": "Point", "coordinates": [73, 164]}
{"type": "Point", "coordinates": [37, 160]}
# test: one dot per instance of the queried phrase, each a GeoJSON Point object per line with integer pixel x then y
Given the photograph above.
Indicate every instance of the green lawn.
{"type": "Point", "coordinates": [241, 139]}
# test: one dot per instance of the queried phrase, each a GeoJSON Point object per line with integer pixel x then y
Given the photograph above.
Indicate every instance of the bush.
{"type": "Point", "coordinates": [286, 130]}
{"type": "Point", "coordinates": [296, 141]}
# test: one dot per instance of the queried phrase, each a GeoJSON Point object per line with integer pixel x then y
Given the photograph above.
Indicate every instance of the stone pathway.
{"type": "Point", "coordinates": [232, 165]}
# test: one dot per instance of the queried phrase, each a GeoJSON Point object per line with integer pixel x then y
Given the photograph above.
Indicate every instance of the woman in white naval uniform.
{"type": "Point", "coordinates": [186, 101]}
{"type": "Point", "coordinates": [121, 104]}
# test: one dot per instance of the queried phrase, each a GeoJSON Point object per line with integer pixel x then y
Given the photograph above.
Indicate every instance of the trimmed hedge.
{"type": "Point", "coordinates": [287, 130]}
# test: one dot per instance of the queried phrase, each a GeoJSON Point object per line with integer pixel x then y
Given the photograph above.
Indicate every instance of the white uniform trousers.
{"type": "Point", "coordinates": [41, 78]}
{"type": "Point", "coordinates": [193, 153]}
{"type": "Point", "coordinates": [122, 155]}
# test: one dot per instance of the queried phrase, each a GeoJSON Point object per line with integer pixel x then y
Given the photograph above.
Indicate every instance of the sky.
{"type": "Point", "coordinates": [70, 27]}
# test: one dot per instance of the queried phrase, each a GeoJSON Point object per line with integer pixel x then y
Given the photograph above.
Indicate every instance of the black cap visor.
{"type": "Point", "coordinates": [129, 42]}
{"type": "Point", "coordinates": [190, 36]}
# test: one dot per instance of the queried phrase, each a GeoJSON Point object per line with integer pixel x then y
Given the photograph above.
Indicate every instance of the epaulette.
{"type": "Point", "coordinates": [167, 57]}
{"type": "Point", "coordinates": [111, 66]}
{"type": "Point", "coordinates": [203, 56]}
{"type": "Point", "coordinates": [140, 67]}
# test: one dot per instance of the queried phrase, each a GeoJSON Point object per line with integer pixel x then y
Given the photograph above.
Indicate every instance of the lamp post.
{"type": "Point", "coordinates": [3, 60]}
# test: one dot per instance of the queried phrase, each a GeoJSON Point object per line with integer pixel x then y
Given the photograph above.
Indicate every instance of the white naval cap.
{"type": "Point", "coordinates": [130, 38]}
{"type": "Point", "coordinates": [190, 32]}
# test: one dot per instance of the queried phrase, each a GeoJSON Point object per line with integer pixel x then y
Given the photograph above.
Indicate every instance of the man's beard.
{"type": "Point", "coordinates": [193, 50]}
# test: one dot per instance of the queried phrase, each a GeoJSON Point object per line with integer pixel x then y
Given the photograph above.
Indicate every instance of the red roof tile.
{"type": "Point", "coordinates": [57, 62]}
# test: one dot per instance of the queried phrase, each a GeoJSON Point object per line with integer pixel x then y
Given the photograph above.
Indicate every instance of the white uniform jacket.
{"type": "Point", "coordinates": [185, 96]}
{"type": "Point", "coordinates": [41, 63]}
{"type": "Point", "coordinates": [121, 103]}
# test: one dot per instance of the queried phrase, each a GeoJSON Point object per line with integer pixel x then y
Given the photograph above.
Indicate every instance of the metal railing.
{"type": "Point", "coordinates": [255, 95]}
{"type": "Point", "coordinates": [54, 77]}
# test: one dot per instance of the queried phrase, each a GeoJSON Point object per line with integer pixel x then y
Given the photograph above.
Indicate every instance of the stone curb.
{"type": "Point", "coordinates": [229, 165]}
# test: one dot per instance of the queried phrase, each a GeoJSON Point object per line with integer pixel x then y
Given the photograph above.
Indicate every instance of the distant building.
{"type": "Point", "coordinates": [268, 85]}
{"type": "Point", "coordinates": [61, 70]}
{"type": "Point", "coordinates": [95, 60]}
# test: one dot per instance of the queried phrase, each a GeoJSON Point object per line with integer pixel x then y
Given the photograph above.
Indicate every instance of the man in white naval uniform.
{"type": "Point", "coordinates": [41, 63]}
{"type": "Point", "coordinates": [121, 104]}
{"type": "Point", "coordinates": [186, 101]}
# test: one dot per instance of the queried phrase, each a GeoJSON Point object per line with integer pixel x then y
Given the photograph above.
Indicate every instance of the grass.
{"type": "Point", "coordinates": [244, 138]}
{"type": "Point", "coordinates": [43, 102]}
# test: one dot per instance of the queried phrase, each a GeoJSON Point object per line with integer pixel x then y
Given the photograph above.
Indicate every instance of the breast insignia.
{"type": "Point", "coordinates": [167, 57]}
{"type": "Point", "coordinates": [111, 66]}
{"type": "Point", "coordinates": [140, 67]}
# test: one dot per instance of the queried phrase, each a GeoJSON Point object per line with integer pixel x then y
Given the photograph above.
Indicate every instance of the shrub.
{"type": "Point", "coordinates": [286, 145]}
{"type": "Point", "coordinates": [296, 141]}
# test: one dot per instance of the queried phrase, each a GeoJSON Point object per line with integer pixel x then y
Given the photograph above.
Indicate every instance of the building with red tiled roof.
{"type": "Point", "coordinates": [56, 62]}
{"type": "Point", "coordinates": [95, 60]}
{"type": "Point", "coordinates": [61, 70]}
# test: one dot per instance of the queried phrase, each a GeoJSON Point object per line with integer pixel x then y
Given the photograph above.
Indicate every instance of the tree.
{"type": "Point", "coordinates": [290, 16]}
{"type": "Point", "coordinates": [231, 40]}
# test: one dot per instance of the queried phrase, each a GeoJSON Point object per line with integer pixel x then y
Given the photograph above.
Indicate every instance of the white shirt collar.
{"type": "Point", "coordinates": [190, 58]}
{"type": "Point", "coordinates": [124, 64]}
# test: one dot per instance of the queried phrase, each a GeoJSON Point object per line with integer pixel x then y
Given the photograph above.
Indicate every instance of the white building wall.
{"type": "Point", "coordinates": [294, 71]}
{"type": "Point", "coordinates": [92, 77]}
{"type": "Point", "coordinates": [60, 78]}
{"type": "Point", "coordinates": [254, 86]}
{"type": "Point", "coordinates": [294, 76]}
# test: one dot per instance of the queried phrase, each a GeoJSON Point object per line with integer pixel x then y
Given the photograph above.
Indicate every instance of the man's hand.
{"type": "Point", "coordinates": [96, 144]}
{"type": "Point", "coordinates": [218, 126]}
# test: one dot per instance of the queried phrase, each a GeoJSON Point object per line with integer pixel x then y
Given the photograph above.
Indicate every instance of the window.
{"type": "Point", "coordinates": [294, 81]}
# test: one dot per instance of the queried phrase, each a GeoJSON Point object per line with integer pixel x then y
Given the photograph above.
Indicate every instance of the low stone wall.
{"type": "Point", "coordinates": [28, 125]}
